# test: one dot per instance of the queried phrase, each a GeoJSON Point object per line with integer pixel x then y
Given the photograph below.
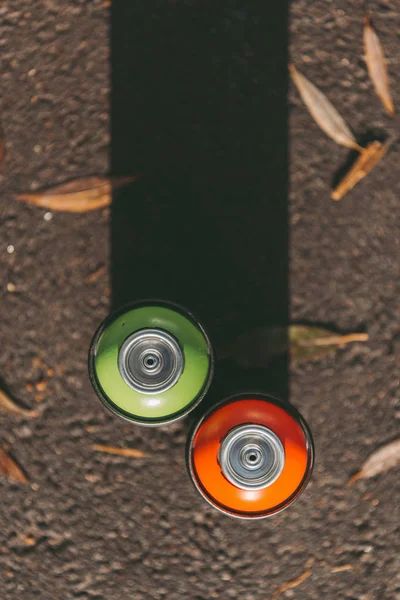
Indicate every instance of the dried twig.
{"type": "Point", "coordinates": [291, 584]}
{"type": "Point", "coordinates": [335, 340]}
{"type": "Point", "coordinates": [93, 277]}
{"type": "Point", "coordinates": [342, 568]}
{"type": "Point", "coordinates": [367, 160]}
{"type": "Point", "coordinates": [130, 452]}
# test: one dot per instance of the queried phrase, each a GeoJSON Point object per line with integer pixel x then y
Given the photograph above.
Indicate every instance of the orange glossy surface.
{"type": "Point", "coordinates": [206, 447]}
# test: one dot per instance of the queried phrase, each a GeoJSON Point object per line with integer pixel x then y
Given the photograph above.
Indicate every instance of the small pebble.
{"type": "Point", "coordinates": [30, 541]}
{"type": "Point", "coordinates": [10, 249]}
{"type": "Point", "coordinates": [48, 216]}
{"type": "Point", "coordinates": [41, 385]}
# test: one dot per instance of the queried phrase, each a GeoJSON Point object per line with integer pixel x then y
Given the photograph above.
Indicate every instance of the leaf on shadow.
{"type": "Point", "coordinates": [129, 452]}
{"type": "Point", "coordinates": [385, 458]}
{"type": "Point", "coordinates": [323, 111]}
{"type": "Point", "coordinates": [7, 405]}
{"type": "Point", "coordinates": [365, 163]}
{"type": "Point", "coordinates": [377, 67]}
{"type": "Point", "coordinates": [256, 348]}
{"type": "Point", "coordinates": [10, 469]}
{"type": "Point", "coordinates": [79, 195]}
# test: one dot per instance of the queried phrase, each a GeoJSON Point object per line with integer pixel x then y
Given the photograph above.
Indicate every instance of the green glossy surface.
{"type": "Point", "coordinates": [191, 382]}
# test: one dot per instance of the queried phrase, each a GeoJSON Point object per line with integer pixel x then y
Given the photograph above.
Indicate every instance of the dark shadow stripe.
{"type": "Point", "coordinates": [199, 107]}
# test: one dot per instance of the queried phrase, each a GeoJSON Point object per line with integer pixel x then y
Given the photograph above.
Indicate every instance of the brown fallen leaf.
{"type": "Point", "coordinates": [8, 406]}
{"type": "Point", "coordinates": [342, 568]}
{"type": "Point", "coordinates": [93, 277]}
{"type": "Point", "coordinates": [256, 348]}
{"type": "Point", "coordinates": [291, 584]}
{"type": "Point", "coordinates": [377, 67]}
{"type": "Point", "coordinates": [323, 111]}
{"type": "Point", "coordinates": [335, 340]}
{"type": "Point", "coordinates": [130, 452]}
{"type": "Point", "coordinates": [10, 469]}
{"type": "Point", "coordinates": [368, 159]}
{"type": "Point", "coordinates": [385, 458]}
{"type": "Point", "coordinates": [308, 342]}
{"type": "Point", "coordinates": [79, 195]}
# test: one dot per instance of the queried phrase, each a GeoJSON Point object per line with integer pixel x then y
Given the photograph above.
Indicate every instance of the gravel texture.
{"type": "Point", "coordinates": [101, 527]}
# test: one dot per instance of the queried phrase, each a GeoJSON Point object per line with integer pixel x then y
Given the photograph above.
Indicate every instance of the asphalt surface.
{"type": "Point", "coordinates": [102, 527]}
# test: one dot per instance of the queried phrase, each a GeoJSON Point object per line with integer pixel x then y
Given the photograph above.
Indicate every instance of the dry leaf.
{"type": "Point", "coordinates": [307, 342]}
{"type": "Point", "coordinates": [93, 277]}
{"type": "Point", "coordinates": [10, 469]}
{"type": "Point", "coordinates": [342, 568]}
{"type": "Point", "coordinates": [376, 64]}
{"type": "Point", "coordinates": [130, 452]}
{"type": "Point", "coordinates": [256, 348]}
{"type": "Point", "coordinates": [79, 195]}
{"type": "Point", "coordinates": [8, 405]}
{"type": "Point", "coordinates": [291, 584]}
{"type": "Point", "coordinates": [382, 460]}
{"type": "Point", "coordinates": [365, 163]}
{"type": "Point", "coordinates": [323, 111]}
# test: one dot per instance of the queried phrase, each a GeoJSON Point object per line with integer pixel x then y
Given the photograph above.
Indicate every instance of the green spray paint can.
{"type": "Point", "coordinates": [151, 363]}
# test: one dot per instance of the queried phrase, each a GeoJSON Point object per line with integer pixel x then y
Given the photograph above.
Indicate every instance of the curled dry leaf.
{"type": "Point", "coordinates": [376, 65]}
{"type": "Point", "coordinates": [365, 163]}
{"type": "Point", "coordinates": [10, 469]}
{"type": "Point", "coordinates": [256, 348]}
{"type": "Point", "coordinates": [308, 343]}
{"type": "Point", "coordinates": [130, 452]}
{"type": "Point", "coordinates": [382, 460]}
{"type": "Point", "coordinates": [323, 111]}
{"type": "Point", "coordinates": [292, 584]}
{"type": "Point", "coordinates": [80, 195]}
{"type": "Point", "coordinates": [342, 568]}
{"type": "Point", "coordinates": [8, 406]}
{"type": "Point", "coordinates": [97, 274]}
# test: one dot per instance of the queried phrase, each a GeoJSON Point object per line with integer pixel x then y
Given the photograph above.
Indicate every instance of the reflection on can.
{"type": "Point", "coordinates": [250, 456]}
